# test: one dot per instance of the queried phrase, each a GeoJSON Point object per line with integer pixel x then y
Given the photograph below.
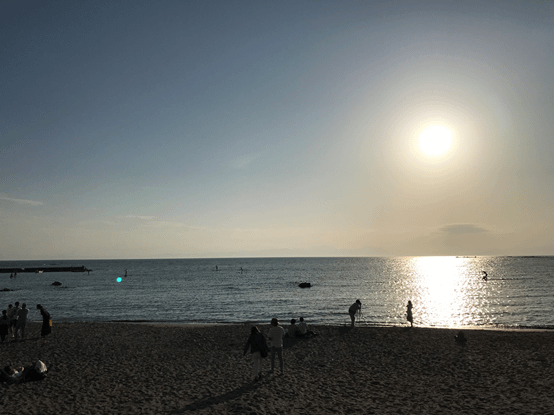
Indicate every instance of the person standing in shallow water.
{"type": "Point", "coordinates": [276, 334]}
{"type": "Point", "coordinates": [409, 315]}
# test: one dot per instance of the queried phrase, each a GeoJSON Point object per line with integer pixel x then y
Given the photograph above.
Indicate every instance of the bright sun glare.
{"type": "Point", "coordinates": [435, 140]}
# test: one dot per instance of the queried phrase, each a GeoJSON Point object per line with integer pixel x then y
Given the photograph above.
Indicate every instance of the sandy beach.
{"type": "Point", "coordinates": [121, 368]}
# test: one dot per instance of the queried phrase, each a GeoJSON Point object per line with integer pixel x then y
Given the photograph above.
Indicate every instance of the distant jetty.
{"type": "Point", "coordinates": [40, 270]}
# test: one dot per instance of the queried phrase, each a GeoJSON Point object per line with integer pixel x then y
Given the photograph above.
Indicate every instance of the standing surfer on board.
{"type": "Point", "coordinates": [485, 277]}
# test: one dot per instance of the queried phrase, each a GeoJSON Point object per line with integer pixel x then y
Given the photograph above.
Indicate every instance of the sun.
{"type": "Point", "coordinates": [435, 140]}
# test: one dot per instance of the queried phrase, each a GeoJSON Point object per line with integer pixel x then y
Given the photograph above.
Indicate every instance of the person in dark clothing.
{"type": "Point", "coordinates": [258, 348]}
{"type": "Point", "coordinates": [46, 328]}
{"type": "Point", "coordinates": [4, 325]}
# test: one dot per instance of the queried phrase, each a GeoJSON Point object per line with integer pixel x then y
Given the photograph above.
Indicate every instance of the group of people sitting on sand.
{"type": "Point", "coordinates": [14, 319]}
{"type": "Point", "coordinates": [298, 330]}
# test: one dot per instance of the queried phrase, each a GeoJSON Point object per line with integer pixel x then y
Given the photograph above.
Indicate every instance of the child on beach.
{"type": "Point", "coordinates": [276, 334]}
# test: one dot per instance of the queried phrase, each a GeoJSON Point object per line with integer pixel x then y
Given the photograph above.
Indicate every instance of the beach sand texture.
{"type": "Point", "coordinates": [118, 368]}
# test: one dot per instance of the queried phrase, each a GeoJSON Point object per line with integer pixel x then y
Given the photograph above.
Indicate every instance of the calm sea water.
{"type": "Point", "coordinates": [445, 291]}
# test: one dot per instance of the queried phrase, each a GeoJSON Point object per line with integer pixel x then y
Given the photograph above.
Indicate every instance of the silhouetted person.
{"type": "Point", "coordinates": [485, 277]}
{"type": "Point", "coordinates": [21, 321]}
{"type": "Point", "coordinates": [353, 309]}
{"type": "Point", "coordinates": [409, 315]}
{"type": "Point", "coordinates": [46, 328]}
{"type": "Point", "coordinates": [276, 334]}
{"type": "Point", "coordinates": [293, 328]}
{"type": "Point", "coordinates": [4, 325]}
{"type": "Point", "coordinates": [302, 329]}
{"type": "Point", "coordinates": [258, 348]}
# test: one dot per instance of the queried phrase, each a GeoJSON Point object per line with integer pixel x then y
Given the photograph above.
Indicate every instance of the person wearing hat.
{"type": "Point", "coordinates": [276, 334]}
{"type": "Point", "coordinates": [353, 310]}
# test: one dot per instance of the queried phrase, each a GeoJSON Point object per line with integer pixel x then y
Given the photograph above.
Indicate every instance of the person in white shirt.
{"type": "Point", "coordinates": [276, 334]}
{"type": "Point", "coordinates": [302, 329]}
{"type": "Point", "coordinates": [353, 309]}
{"type": "Point", "coordinates": [21, 321]}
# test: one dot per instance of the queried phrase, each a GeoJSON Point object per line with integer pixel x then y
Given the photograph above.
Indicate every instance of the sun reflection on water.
{"type": "Point", "coordinates": [444, 291]}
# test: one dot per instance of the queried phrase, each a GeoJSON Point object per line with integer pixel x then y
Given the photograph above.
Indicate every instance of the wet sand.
{"type": "Point", "coordinates": [121, 368]}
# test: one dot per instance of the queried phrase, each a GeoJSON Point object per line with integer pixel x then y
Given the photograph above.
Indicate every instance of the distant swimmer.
{"type": "Point", "coordinates": [125, 273]}
{"type": "Point", "coordinates": [241, 269]}
{"type": "Point", "coordinates": [485, 277]}
{"type": "Point", "coordinates": [216, 268]}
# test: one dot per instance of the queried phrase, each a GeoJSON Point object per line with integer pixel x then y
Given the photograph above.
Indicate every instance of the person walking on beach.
{"type": "Point", "coordinates": [258, 349]}
{"type": "Point", "coordinates": [21, 321]}
{"type": "Point", "coordinates": [4, 325]}
{"type": "Point", "coordinates": [276, 334]}
{"type": "Point", "coordinates": [46, 328]}
{"type": "Point", "coordinates": [354, 308]}
{"type": "Point", "coordinates": [409, 315]}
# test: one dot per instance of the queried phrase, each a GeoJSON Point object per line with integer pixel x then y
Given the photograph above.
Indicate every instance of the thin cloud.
{"type": "Point", "coordinates": [462, 228]}
{"type": "Point", "coordinates": [22, 201]}
{"type": "Point", "coordinates": [167, 224]}
{"type": "Point", "coordinates": [141, 217]}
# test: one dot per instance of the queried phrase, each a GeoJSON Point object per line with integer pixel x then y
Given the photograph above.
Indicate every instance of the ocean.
{"type": "Point", "coordinates": [445, 291]}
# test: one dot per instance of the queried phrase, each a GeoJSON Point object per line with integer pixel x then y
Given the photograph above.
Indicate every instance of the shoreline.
{"type": "Point", "coordinates": [362, 325]}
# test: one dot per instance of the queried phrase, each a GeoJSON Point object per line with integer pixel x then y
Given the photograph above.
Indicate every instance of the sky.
{"type": "Point", "coordinates": [211, 129]}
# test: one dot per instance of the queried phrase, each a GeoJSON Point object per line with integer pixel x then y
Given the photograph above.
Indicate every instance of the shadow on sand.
{"type": "Point", "coordinates": [216, 400]}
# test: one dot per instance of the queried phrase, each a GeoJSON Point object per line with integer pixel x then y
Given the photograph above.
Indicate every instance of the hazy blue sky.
{"type": "Point", "coordinates": [151, 129]}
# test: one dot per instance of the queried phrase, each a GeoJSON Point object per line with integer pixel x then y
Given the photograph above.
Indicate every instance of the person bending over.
{"type": "Point", "coordinates": [354, 308]}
